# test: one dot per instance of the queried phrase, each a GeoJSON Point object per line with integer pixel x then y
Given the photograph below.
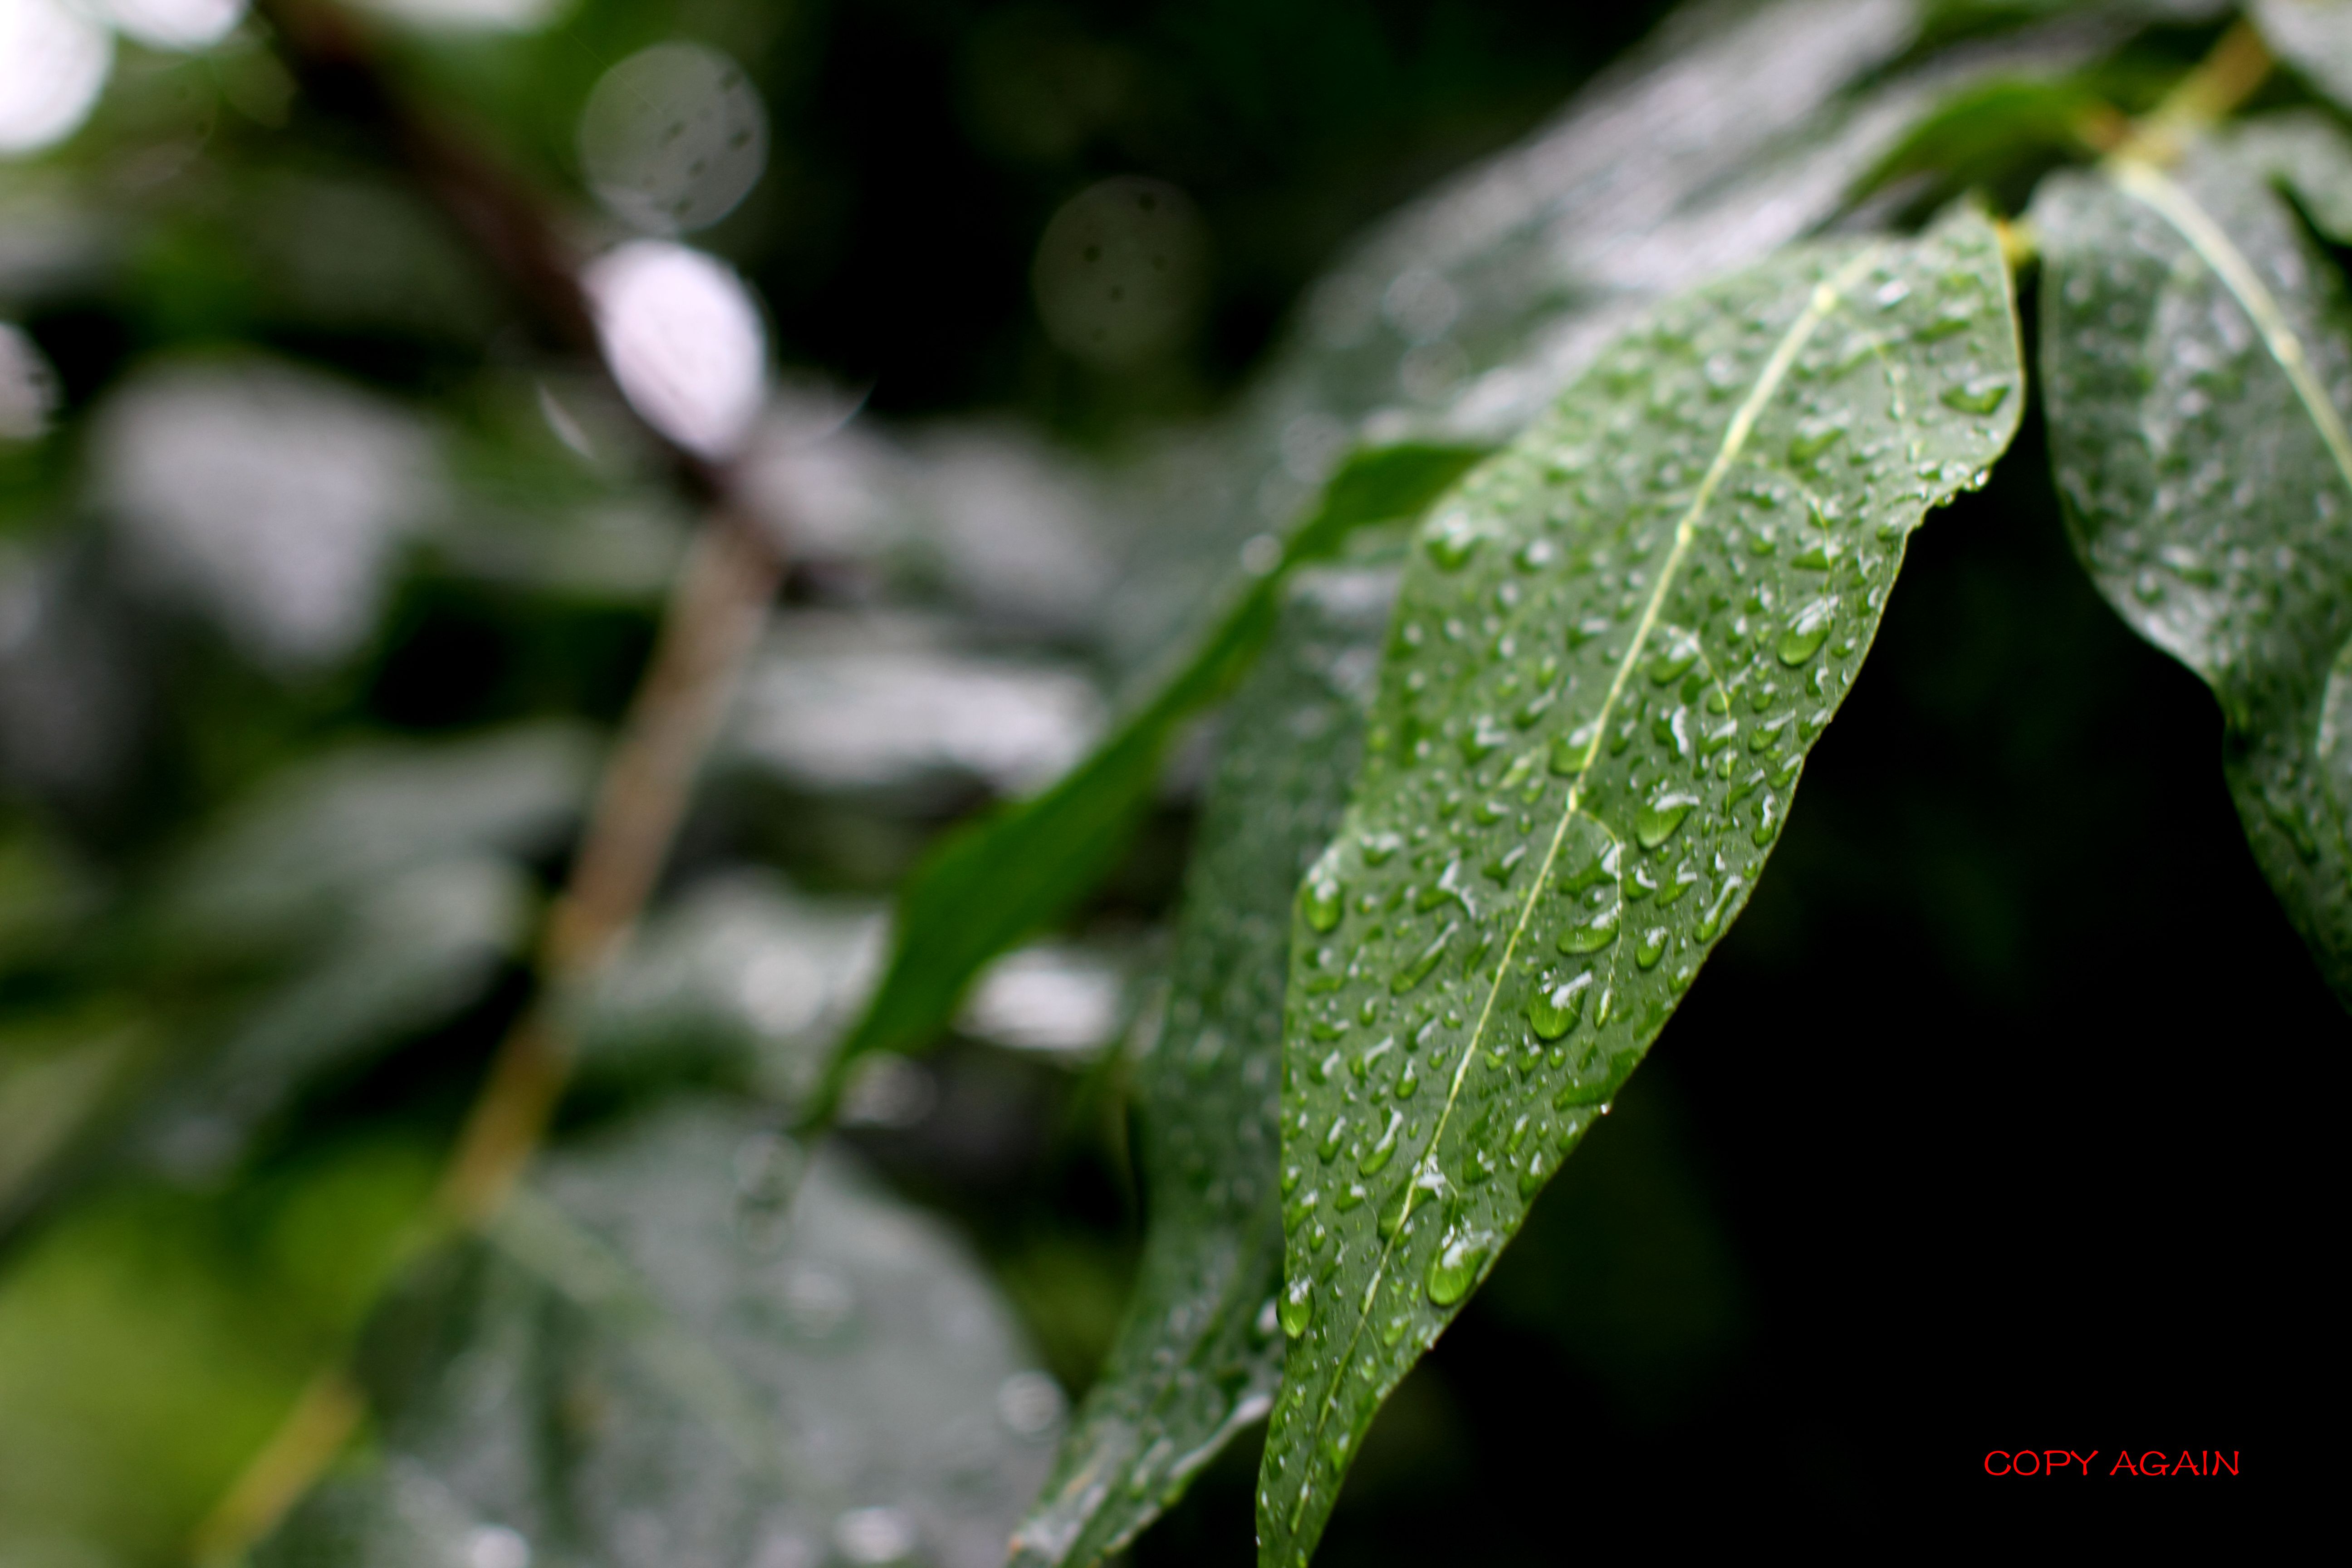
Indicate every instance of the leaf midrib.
{"type": "Point", "coordinates": [1825, 299]}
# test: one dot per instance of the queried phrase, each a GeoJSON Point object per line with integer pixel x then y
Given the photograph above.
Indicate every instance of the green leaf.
{"type": "Point", "coordinates": [996, 882]}
{"type": "Point", "coordinates": [2196, 361]}
{"type": "Point", "coordinates": [1200, 1353]}
{"type": "Point", "coordinates": [1615, 643]}
{"type": "Point", "coordinates": [643, 1362]}
{"type": "Point", "coordinates": [2314, 37]}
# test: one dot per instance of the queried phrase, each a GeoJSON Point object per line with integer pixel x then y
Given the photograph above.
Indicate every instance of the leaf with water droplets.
{"type": "Point", "coordinates": [1645, 806]}
{"type": "Point", "coordinates": [642, 1362]}
{"type": "Point", "coordinates": [986, 889]}
{"type": "Point", "coordinates": [2307, 154]}
{"type": "Point", "coordinates": [1200, 1351]}
{"type": "Point", "coordinates": [2198, 367]}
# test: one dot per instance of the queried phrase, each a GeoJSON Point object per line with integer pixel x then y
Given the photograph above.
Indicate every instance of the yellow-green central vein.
{"type": "Point", "coordinates": [2151, 186]}
{"type": "Point", "coordinates": [1824, 299]}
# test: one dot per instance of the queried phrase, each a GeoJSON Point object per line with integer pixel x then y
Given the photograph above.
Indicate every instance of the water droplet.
{"type": "Point", "coordinates": [1553, 1011]}
{"type": "Point", "coordinates": [1711, 924]}
{"type": "Point", "coordinates": [1483, 739]}
{"type": "Point", "coordinates": [1451, 541]}
{"type": "Point", "coordinates": [1408, 1080]}
{"type": "Point", "coordinates": [1376, 1159]}
{"type": "Point", "coordinates": [1592, 935]}
{"type": "Point", "coordinates": [1351, 1197]}
{"type": "Point", "coordinates": [1651, 948]}
{"type": "Point", "coordinates": [1456, 1267]}
{"type": "Point", "coordinates": [1808, 629]}
{"type": "Point", "coordinates": [1297, 1308]}
{"type": "Point", "coordinates": [1813, 438]}
{"type": "Point", "coordinates": [1323, 903]}
{"type": "Point", "coordinates": [1328, 1150]}
{"type": "Point", "coordinates": [1417, 969]}
{"type": "Point", "coordinates": [1980, 395]}
{"type": "Point", "coordinates": [1675, 660]}
{"type": "Point", "coordinates": [1659, 819]}
{"type": "Point", "coordinates": [1379, 848]}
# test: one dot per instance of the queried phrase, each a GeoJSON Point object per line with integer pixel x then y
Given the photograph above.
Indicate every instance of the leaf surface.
{"type": "Point", "coordinates": [1615, 643]}
{"type": "Point", "coordinates": [992, 884]}
{"type": "Point", "coordinates": [1199, 1355]}
{"type": "Point", "coordinates": [2196, 369]}
{"type": "Point", "coordinates": [642, 1364]}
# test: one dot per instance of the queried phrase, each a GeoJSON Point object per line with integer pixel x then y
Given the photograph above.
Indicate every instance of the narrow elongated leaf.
{"type": "Point", "coordinates": [2195, 353]}
{"type": "Point", "coordinates": [1200, 1353]}
{"type": "Point", "coordinates": [1615, 645]}
{"type": "Point", "coordinates": [2315, 36]}
{"type": "Point", "coordinates": [986, 889]}
{"type": "Point", "coordinates": [643, 1365]}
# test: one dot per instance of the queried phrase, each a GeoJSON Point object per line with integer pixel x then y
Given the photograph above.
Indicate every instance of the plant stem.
{"type": "Point", "coordinates": [709, 628]}
{"type": "Point", "coordinates": [2236, 66]}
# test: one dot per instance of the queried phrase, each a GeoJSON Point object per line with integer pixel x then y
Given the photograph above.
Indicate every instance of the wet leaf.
{"type": "Point", "coordinates": [644, 1364]}
{"type": "Point", "coordinates": [2197, 366]}
{"type": "Point", "coordinates": [1615, 643]}
{"type": "Point", "coordinates": [994, 883]}
{"type": "Point", "coordinates": [1200, 1352]}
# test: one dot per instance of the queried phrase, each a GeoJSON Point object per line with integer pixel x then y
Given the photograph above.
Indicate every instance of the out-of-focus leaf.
{"type": "Point", "coordinates": [55, 1076]}
{"type": "Point", "coordinates": [2309, 154]}
{"type": "Point", "coordinates": [992, 884]}
{"type": "Point", "coordinates": [288, 862]}
{"type": "Point", "coordinates": [643, 1364]}
{"type": "Point", "coordinates": [741, 980]}
{"type": "Point", "coordinates": [2315, 36]}
{"type": "Point", "coordinates": [418, 950]}
{"type": "Point", "coordinates": [878, 706]}
{"type": "Point", "coordinates": [1615, 643]}
{"type": "Point", "coordinates": [2196, 368]}
{"type": "Point", "coordinates": [1199, 1355]}
{"type": "Point", "coordinates": [269, 497]}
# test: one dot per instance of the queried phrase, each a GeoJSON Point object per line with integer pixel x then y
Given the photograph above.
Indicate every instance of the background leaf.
{"type": "Point", "coordinates": [2194, 353]}
{"type": "Point", "coordinates": [643, 1364]}
{"type": "Point", "coordinates": [1199, 1355]}
{"type": "Point", "coordinates": [996, 882]}
{"type": "Point", "coordinates": [1615, 643]}
{"type": "Point", "coordinates": [2313, 37]}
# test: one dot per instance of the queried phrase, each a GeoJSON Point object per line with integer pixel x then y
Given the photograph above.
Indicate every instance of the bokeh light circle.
{"type": "Point", "coordinates": [1121, 270]}
{"type": "Point", "coordinates": [673, 138]}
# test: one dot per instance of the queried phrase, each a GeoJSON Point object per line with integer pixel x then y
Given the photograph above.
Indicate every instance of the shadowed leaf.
{"type": "Point", "coordinates": [1200, 1353]}
{"type": "Point", "coordinates": [2194, 351]}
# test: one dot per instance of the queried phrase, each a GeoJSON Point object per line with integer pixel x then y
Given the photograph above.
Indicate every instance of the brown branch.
{"type": "Point", "coordinates": [708, 630]}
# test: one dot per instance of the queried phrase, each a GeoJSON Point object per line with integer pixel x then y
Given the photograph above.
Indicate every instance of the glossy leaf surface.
{"type": "Point", "coordinates": [643, 1364]}
{"type": "Point", "coordinates": [1200, 1353]}
{"type": "Point", "coordinates": [1615, 645]}
{"type": "Point", "coordinates": [993, 884]}
{"type": "Point", "coordinates": [2196, 369]}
